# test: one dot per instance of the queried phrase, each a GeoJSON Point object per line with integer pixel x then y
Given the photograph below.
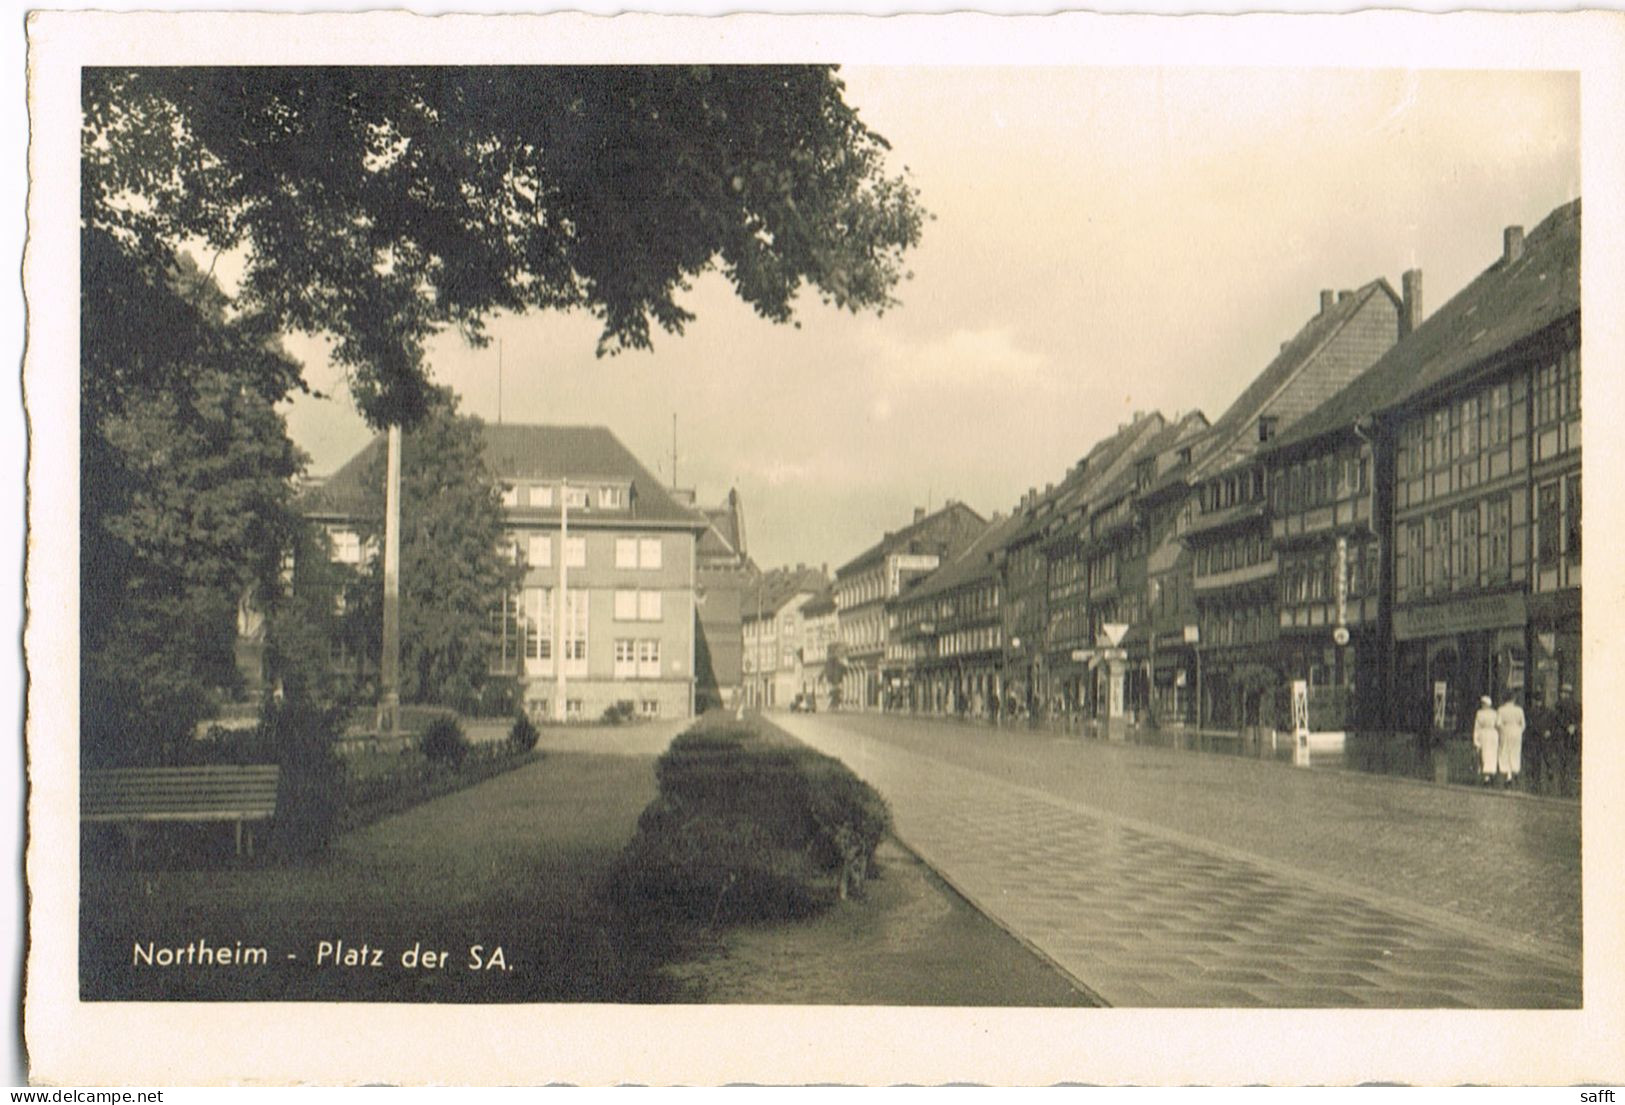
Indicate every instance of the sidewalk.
{"type": "Point", "coordinates": [1143, 915]}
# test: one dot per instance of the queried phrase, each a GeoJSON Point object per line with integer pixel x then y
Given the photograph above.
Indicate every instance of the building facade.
{"type": "Point", "coordinates": [587, 522]}
{"type": "Point", "coordinates": [774, 634]}
{"type": "Point", "coordinates": [866, 584]}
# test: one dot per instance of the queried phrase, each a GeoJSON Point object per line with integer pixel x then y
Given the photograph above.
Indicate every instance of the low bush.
{"type": "Point", "coordinates": [444, 742]}
{"type": "Point", "coordinates": [523, 735]}
{"type": "Point", "coordinates": [620, 713]}
{"type": "Point", "coordinates": [410, 779]}
{"type": "Point", "coordinates": [749, 828]}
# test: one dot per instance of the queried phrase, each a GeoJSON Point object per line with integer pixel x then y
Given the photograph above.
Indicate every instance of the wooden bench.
{"type": "Point", "coordinates": [243, 793]}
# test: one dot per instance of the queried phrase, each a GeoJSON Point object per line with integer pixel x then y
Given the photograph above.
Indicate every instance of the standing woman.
{"type": "Point", "coordinates": [1510, 723]}
{"type": "Point", "coordinates": [1487, 739]}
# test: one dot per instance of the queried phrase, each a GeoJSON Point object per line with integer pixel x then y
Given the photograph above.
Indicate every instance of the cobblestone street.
{"type": "Point", "coordinates": [1164, 878]}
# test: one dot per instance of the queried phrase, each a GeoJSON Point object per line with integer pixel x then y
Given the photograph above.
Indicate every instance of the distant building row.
{"type": "Point", "coordinates": [1390, 511]}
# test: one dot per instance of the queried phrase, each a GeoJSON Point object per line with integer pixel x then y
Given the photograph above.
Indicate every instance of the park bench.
{"type": "Point", "coordinates": [243, 793]}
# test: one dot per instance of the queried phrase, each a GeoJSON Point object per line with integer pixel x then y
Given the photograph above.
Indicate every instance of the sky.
{"type": "Point", "coordinates": [1103, 241]}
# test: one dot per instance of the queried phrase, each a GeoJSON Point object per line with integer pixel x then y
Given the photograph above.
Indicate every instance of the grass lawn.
{"type": "Point", "coordinates": [512, 863]}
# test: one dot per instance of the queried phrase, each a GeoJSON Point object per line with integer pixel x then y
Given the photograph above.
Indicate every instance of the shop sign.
{"type": "Point", "coordinates": [1481, 612]}
{"type": "Point", "coordinates": [1300, 723]}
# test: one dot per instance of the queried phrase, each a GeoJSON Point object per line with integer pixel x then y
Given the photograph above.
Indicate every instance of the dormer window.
{"type": "Point", "coordinates": [575, 497]}
{"type": "Point", "coordinates": [611, 498]}
{"type": "Point", "coordinates": [1268, 424]}
{"type": "Point", "coordinates": [1145, 471]}
{"type": "Point", "coordinates": [1185, 455]}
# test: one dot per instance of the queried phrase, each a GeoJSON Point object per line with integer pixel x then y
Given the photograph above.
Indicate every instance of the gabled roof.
{"type": "Point", "coordinates": [779, 586]}
{"type": "Point", "coordinates": [820, 604]}
{"type": "Point", "coordinates": [725, 538]}
{"type": "Point", "coordinates": [1224, 444]}
{"type": "Point", "coordinates": [900, 540]}
{"type": "Point", "coordinates": [1083, 480]}
{"type": "Point", "coordinates": [1168, 438]}
{"type": "Point", "coordinates": [1502, 306]}
{"type": "Point", "coordinates": [972, 564]}
{"type": "Point", "coordinates": [541, 453]}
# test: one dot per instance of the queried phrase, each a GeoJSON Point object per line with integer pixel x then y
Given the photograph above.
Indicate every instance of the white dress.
{"type": "Point", "coordinates": [1510, 722]}
{"type": "Point", "coordinates": [1487, 739]}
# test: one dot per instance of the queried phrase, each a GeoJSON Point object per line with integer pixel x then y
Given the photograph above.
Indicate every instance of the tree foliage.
{"type": "Point", "coordinates": [455, 570]}
{"type": "Point", "coordinates": [380, 205]}
{"type": "Point", "coordinates": [185, 503]}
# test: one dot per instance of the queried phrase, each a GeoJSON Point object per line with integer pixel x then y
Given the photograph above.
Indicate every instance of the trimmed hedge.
{"type": "Point", "coordinates": [749, 828]}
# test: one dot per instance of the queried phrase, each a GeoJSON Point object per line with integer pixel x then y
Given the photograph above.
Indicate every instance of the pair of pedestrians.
{"type": "Point", "coordinates": [1498, 736]}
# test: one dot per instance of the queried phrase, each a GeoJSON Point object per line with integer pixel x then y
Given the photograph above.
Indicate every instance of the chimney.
{"type": "Point", "coordinates": [919, 514]}
{"type": "Point", "coordinates": [1410, 310]}
{"type": "Point", "coordinates": [1326, 298]}
{"type": "Point", "coordinates": [1344, 294]}
{"type": "Point", "coordinates": [1512, 240]}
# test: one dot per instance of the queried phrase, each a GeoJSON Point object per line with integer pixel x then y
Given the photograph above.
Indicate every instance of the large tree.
{"type": "Point", "coordinates": [381, 205]}
{"type": "Point", "coordinates": [456, 563]}
{"type": "Point", "coordinates": [185, 501]}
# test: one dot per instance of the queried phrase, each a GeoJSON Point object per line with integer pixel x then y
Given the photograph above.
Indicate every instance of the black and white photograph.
{"type": "Point", "coordinates": [1001, 549]}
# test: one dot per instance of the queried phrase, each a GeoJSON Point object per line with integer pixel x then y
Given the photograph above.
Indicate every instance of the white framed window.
{"type": "Point", "coordinates": [510, 495]}
{"type": "Point", "coordinates": [575, 552]}
{"type": "Point", "coordinates": [648, 606]}
{"type": "Point", "coordinates": [649, 552]}
{"type": "Point", "coordinates": [538, 624]}
{"type": "Point", "coordinates": [575, 497]}
{"type": "Point", "coordinates": [572, 709]}
{"type": "Point", "coordinates": [610, 498]}
{"type": "Point", "coordinates": [626, 606]}
{"type": "Point", "coordinates": [346, 546]}
{"type": "Point", "coordinates": [540, 495]}
{"type": "Point", "coordinates": [626, 666]}
{"type": "Point", "coordinates": [626, 552]}
{"type": "Point", "coordinates": [575, 632]}
{"type": "Point", "coordinates": [539, 550]}
{"type": "Point", "coordinates": [649, 659]}
{"type": "Point", "coordinates": [649, 707]}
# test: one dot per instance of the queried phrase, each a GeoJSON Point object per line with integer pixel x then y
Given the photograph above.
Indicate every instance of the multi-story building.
{"type": "Point", "coordinates": [949, 626]}
{"type": "Point", "coordinates": [1241, 570]}
{"type": "Point", "coordinates": [724, 576]}
{"type": "Point", "coordinates": [587, 521]}
{"type": "Point", "coordinates": [1472, 425]}
{"type": "Point", "coordinates": [773, 633]}
{"type": "Point", "coordinates": [865, 585]}
{"type": "Point", "coordinates": [1126, 527]}
{"type": "Point", "coordinates": [820, 631]}
{"type": "Point", "coordinates": [1068, 637]}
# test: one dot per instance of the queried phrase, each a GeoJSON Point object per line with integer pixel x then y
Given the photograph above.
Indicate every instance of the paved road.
{"type": "Point", "coordinates": [1166, 878]}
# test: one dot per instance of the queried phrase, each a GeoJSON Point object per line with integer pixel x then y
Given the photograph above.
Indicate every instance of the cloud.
{"type": "Point", "coordinates": [961, 359]}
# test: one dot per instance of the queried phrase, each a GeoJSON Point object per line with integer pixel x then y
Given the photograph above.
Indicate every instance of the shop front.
{"type": "Point", "coordinates": [1451, 653]}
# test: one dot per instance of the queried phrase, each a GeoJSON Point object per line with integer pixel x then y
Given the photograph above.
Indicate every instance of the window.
{"type": "Point", "coordinates": [510, 495]}
{"type": "Point", "coordinates": [1550, 522]}
{"type": "Point", "coordinates": [626, 665]}
{"type": "Point", "coordinates": [1437, 552]}
{"type": "Point", "coordinates": [539, 550]}
{"type": "Point", "coordinates": [541, 495]}
{"type": "Point", "coordinates": [1571, 538]}
{"type": "Point", "coordinates": [507, 628]}
{"type": "Point", "coordinates": [1497, 530]}
{"type": "Point", "coordinates": [610, 498]}
{"type": "Point", "coordinates": [575, 638]}
{"type": "Point", "coordinates": [1413, 557]}
{"type": "Point", "coordinates": [626, 607]}
{"type": "Point", "coordinates": [572, 709]}
{"type": "Point", "coordinates": [1267, 425]}
{"type": "Point", "coordinates": [626, 552]}
{"type": "Point", "coordinates": [649, 659]}
{"type": "Point", "coordinates": [575, 552]}
{"type": "Point", "coordinates": [649, 552]}
{"type": "Point", "coordinates": [648, 606]}
{"type": "Point", "coordinates": [1467, 546]}
{"type": "Point", "coordinates": [1500, 414]}
{"type": "Point", "coordinates": [649, 707]}
{"type": "Point", "coordinates": [538, 623]}
{"type": "Point", "coordinates": [346, 547]}
{"type": "Point", "coordinates": [575, 497]}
